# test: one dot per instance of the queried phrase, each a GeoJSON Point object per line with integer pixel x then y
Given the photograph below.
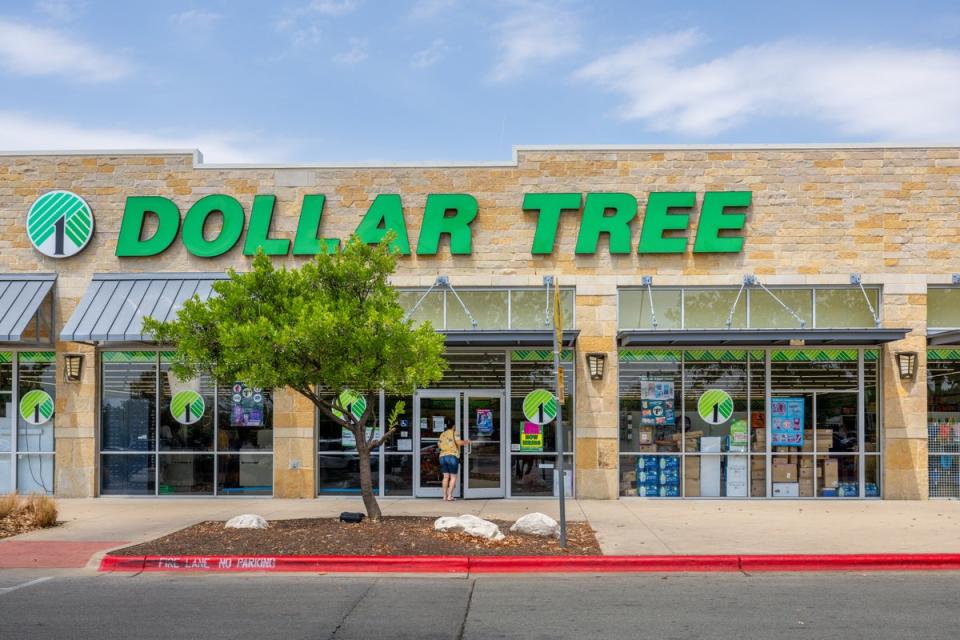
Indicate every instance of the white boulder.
{"type": "Point", "coordinates": [470, 525]}
{"type": "Point", "coordinates": [537, 524]}
{"type": "Point", "coordinates": [246, 521]}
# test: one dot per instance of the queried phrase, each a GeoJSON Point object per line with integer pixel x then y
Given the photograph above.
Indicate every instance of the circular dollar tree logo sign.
{"type": "Point", "coordinates": [353, 402]}
{"type": "Point", "coordinates": [187, 407]}
{"type": "Point", "coordinates": [36, 407]}
{"type": "Point", "coordinates": [60, 224]}
{"type": "Point", "coordinates": [715, 406]}
{"type": "Point", "coordinates": [540, 406]}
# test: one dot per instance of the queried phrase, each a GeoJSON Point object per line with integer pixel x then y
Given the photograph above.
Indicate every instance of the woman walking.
{"type": "Point", "coordinates": [450, 458]}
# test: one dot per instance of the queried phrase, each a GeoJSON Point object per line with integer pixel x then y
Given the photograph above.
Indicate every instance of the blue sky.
{"type": "Point", "coordinates": [454, 80]}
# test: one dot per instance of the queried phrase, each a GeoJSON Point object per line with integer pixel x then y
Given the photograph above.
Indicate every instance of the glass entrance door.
{"type": "Point", "coordinates": [432, 411]}
{"type": "Point", "coordinates": [483, 460]}
{"type": "Point", "coordinates": [477, 416]}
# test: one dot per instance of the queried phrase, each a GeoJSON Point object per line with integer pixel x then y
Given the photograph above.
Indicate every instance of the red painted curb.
{"type": "Point", "coordinates": [600, 564]}
{"type": "Point", "coordinates": [534, 564]}
{"type": "Point", "coordinates": [853, 562]}
{"type": "Point", "coordinates": [332, 564]}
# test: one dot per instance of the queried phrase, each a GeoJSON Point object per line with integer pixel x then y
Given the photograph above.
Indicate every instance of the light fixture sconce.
{"type": "Point", "coordinates": [73, 367]}
{"type": "Point", "coordinates": [596, 362]}
{"type": "Point", "coordinates": [907, 364]}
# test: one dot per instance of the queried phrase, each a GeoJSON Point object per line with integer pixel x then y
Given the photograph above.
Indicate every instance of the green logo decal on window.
{"type": "Point", "coordinates": [540, 406]}
{"type": "Point", "coordinates": [60, 224]}
{"type": "Point", "coordinates": [187, 407]}
{"type": "Point", "coordinates": [353, 402]}
{"type": "Point", "coordinates": [715, 406]}
{"type": "Point", "coordinates": [36, 407]}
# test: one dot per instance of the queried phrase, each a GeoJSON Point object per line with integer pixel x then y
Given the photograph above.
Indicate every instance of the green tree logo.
{"type": "Point", "coordinates": [60, 224]}
{"type": "Point", "coordinates": [715, 406]}
{"type": "Point", "coordinates": [187, 407]}
{"type": "Point", "coordinates": [36, 407]}
{"type": "Point", "coordinates": [353, 402]}
{"type": "Point", "coordinates": [540, 406]}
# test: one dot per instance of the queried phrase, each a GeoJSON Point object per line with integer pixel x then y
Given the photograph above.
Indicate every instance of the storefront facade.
{"type": "Point", "coordinates": [744, 323]}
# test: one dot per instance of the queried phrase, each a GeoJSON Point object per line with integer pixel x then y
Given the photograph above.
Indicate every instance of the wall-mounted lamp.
{"type": "Point", "coordinates": [73, 367]}
{"type": "Point", "coordinates": [595, 362]}
{"type": "Point", "coordinates": [907, 364]}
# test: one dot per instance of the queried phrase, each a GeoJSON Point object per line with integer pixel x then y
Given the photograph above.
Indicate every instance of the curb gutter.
{"type": "Point", "coordinates": [533, 564]}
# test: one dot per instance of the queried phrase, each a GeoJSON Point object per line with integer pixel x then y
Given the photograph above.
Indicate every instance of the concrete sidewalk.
{"type": "Point", "coordinates": [625, 527]}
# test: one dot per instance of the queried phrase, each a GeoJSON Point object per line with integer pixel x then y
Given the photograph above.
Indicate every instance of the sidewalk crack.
{"type": "Point", "coordinates": [356, 604]}
{"type": "Point", "coordinates": [466, 612]}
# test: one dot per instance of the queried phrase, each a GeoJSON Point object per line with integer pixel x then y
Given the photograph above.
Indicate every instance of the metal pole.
{"type": "Point", "coordinates": [563, 512]}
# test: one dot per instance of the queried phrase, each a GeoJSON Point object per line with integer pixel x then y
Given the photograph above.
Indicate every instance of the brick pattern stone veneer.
{"type": "Point", "coordinates": [818, 215]}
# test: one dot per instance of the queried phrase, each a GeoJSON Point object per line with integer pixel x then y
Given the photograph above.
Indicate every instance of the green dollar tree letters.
{"type": "Point", "coordinates": [436, 222]}
{"type": "Point", "coordinates": [131, 242]}
{"type": "Point", "coordinates": [383, 216]}
{"type": "Point", "coordinates": [596, 221]}
{"type": "Point", "coordinates": [550, 206]}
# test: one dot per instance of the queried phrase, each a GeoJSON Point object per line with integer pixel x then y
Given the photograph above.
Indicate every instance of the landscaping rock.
{"type": "Point", "coordinates": [246, 521]}
{"type": "Point", "coordinates": [537, 524]}
{"type": "Point", "coordinates": [470, 525]}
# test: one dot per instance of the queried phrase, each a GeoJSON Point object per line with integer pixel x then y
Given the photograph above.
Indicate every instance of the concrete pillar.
{"type": "Point", "coordinates": [75, 427]}
{"type": "Point", "coordinates": [905, 401]}
{"type": "Point", "coordinates": [597, 443]}
{"type": "Point", "coordinates": [294, 446]}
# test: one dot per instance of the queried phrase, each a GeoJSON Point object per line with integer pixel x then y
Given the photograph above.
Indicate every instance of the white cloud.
{"type": "Point", "coordinates": [535, 33]}
{"type": "Point", "coordinates": [23, 132]}
{"type": "Point", "coordinates": [61, 10]}
{"type": "Point", "coordinates": [36, 51]}
{"type": "Point", "coordinates": [356, 53]}
{"type": "Point", "coordinates": [896, 93]}
{"type": "Point", "coordinates": [333, 7]}
{"type": "Point", "coordinates": [427, 9]}
{"type": "Point", "coordinates": [195, 19]}
{"type": "Point", "coordinates": [431, 55]}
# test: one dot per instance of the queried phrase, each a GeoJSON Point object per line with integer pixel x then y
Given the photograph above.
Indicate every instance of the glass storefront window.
{"type": "Point", "coordinates": [245, 474]}
{"type": "Point", "coordinates": [635, 311]}
{"type": "Point", "coordinates": [943, 307]}
{"type": "Point", "coordinates": [525, 376]}
{"type": "Point", "coordinates": [7, 413]}
{"type": "Point", "coordinates": [164, 436]}
{"type": "Point", "coordinates": [767, 313]}
{"type": "Point", "coordinates": [810, 444]}
{"type": "Point", "coordinates": [245, 418]}
{"type": "Point", "coordinates": [185, 474]}
{"type": "Point", "coordinates": [537, 476]}
{"type": "Point", "coordinates": [845, 308]}
{"type": "Point", "coordinates": [430, 309]}
{"type": "Point", "coordinates": [398, 475]}
{"type": "Point", "coordinates": [943, 422]}
{"type": "Point", "coordinates": [488, 308]}
{"type": "Point", "coordinates": [710, 308]}
{"type": "Point", "coordinates": [340, 474]}
{"type": "Point", "coordinates": [36, 372]}
{"type": "Point", "coordinates": [527, 308]}
{"type": "Point", "coordinates": [650, 401]}
{"type": "Point", "coordinates": [185, 432]}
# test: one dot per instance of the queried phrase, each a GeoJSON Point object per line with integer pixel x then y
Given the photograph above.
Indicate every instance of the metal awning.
{"type": "Point", "coordinates": [943, 337]}
{"type": "Point", "coordinates": [757, 337]}
{"type": "Point", "coordinates": [508, 338]}
{"type": "Point", "coordinates": [115, 304]}
{"type": "Point", "coordinates": [20, 297]}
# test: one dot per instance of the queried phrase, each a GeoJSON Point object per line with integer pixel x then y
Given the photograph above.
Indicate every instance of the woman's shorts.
{"type": "Point", "coordinates": [449, 464]}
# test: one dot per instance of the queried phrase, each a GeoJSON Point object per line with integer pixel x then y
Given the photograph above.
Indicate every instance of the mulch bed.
{"type": "Point", "coordinates": [15, 524]}
{"type": "Point", "coordinates": [406, 536]}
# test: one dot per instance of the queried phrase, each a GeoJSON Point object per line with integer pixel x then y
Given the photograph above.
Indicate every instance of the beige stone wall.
{"type": "Point", "coordinates": [817, 216]}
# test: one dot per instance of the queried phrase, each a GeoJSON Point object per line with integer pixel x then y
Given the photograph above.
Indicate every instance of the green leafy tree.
{"type": "Point", "coordinates": [331, 325]}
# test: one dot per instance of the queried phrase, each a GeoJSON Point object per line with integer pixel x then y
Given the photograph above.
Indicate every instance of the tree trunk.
{"type": "Point", "coordinates": [366, 482]}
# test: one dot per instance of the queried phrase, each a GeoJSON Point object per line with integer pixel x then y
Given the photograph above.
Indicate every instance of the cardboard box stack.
{"type": "Point", "coordinates": [758, 476]}
{"type": "Point", "coordinates": [831, 477]}
{"type": "Point", "coordinates": [691, 477]}
{"type": "Point", "coordinates": [658, 476]}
